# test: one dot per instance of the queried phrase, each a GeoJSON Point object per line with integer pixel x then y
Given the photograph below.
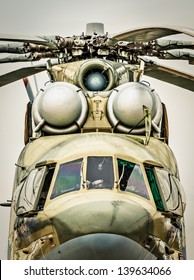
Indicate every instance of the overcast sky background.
{"type": "Point", "coordinates": [61, 17]}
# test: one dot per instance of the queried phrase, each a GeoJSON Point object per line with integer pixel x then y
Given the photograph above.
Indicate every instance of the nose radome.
{"type": "Point", "coordinates": [100, 246]}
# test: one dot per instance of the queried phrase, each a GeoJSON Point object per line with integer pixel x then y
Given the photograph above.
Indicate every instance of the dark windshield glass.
{"type": "Point", "coordinates": [68, 178]}
{"type": "Point", "coordinates": [154, 188]}
{"type": "Point", "coordinates": [131, 178]}
{"type": "Point", "coordinates": [100, 173]}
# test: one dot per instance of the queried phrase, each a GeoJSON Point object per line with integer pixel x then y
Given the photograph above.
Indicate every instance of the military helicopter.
{"type": "Point", "coordinates": [97, 178]}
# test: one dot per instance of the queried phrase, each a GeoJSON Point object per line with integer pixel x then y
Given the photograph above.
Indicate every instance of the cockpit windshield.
{"type": "Point", "coordinates": [68, 178]}
{"type": "Point", "coordinates": [100, 173]}
{"type": "Point", "coordinates": [131, 178]}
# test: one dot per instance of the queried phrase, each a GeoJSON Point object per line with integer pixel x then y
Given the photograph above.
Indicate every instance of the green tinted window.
{"type": "Point", "coordinates": [154, 189]}
{"type": "Point", "coordinates": [131, 178]}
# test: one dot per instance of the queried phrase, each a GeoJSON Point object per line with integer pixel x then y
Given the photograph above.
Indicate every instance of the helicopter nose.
{"type": "Point", "coordinates": [101, 216]}
{"type": "Point", "coordinates": [100, 246]}
{"type": "Point", "coordinates": [97, 226]}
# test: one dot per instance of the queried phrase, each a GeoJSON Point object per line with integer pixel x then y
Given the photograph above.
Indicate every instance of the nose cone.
{"type": "Point", "coordinates": [96, 227]}
{"type": "Point", "coordinates": [100, 246]}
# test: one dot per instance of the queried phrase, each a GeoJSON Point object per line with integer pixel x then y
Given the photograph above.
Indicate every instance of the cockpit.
{"type": "Point", "coordinates": [100, 175]}
{"type": "Point", "coordinates": [51, 180]}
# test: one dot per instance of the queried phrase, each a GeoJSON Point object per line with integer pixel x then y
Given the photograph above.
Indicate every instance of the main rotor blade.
{"type": "Point", "coordinates": [38, 40]}
{"type": "Point", "coordinates": [147, 34]}
{"type": "Point", "coordinates": [22, 38]}
{"type": "Point", "coordinates": [162, 44]}
{"type": "Point", "coordinates": [23, 48]}
{"type": "Point", "coordinates": [27, 57]}
{"type": "Point", "coordinates": [17, 58]}
{"type": "Point", "coordinates": [21, 73]}
{"type": "Point", "coordinates": [169, 75]}
{"type": "Point", "coordinates": [175, 54]}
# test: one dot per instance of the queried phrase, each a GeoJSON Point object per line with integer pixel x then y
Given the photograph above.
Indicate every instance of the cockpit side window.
{"type": "Point", "coordinates": [45, 187]}
{"type": "Point", "coordinates": [29, 191]}
{"type": "Point", "coordinates": [154, 188]}
{"type": "Point", "coordinates": [131, 178]}
{"type": "Point", "coordinates": [68, 178]}
{"type": "Point", "coordinates": [170, 191]}
{"type": "Point", "coordinates": [100, 174]}
{"type": "Point", "coordinates": [181, 191]}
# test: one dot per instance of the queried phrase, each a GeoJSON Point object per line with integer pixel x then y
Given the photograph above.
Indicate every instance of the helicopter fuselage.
{"type": "Point", "coordinates": [96, 196]}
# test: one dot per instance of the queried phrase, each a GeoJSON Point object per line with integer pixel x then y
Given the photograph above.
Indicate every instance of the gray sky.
{"type": "Point", "coordinates": [61, 17]}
